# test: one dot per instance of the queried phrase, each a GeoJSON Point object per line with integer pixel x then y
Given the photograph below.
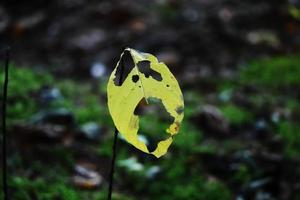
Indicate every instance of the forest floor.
{"type": "Point", "coordinates": [238, 67]}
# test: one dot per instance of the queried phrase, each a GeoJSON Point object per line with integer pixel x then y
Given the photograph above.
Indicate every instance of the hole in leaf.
{"type": "Point", "coordinates": [154, 120]}
{"type": "Point", "coordinates": [135, 78]}
{"type": "Point", "coordinates": [126, 64]}
{"type": "Point", "coordinates": [144, 67]}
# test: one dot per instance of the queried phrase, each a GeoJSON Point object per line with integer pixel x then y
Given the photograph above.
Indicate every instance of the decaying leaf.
{"type": "Point", "coordinates": [140, 76]}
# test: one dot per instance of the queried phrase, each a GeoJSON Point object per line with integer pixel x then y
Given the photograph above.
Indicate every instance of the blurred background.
{"type": "Point", "coordinates": [238, 64]}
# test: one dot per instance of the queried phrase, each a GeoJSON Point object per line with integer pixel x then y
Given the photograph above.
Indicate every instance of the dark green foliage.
{"type": "Point", "coordinates": [86, 104]}
{"type": "Point", "coordinates": [279, 78]}
{"type": "Point", "coordinates": [237, 115]}
{"type": "Point", "coordinates": [39, 189]}
{"type": "Point", "coordinates": [181, 183]}
{"type": "Point", "coordinates": [23, 87]}
{"type": "Point", "coordinates": [290, 133]}
{"type": "Point", "coordinates": [279, 72]}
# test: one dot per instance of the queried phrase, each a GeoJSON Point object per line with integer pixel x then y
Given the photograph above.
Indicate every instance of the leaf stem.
{"type": "Point", "coordinates": [115, 144]}
{"type": "Point", "coordinates": [112, 166]}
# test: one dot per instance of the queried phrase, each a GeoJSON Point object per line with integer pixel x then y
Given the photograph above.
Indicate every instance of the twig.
{"type": "Point", "coordinates": [112, 166]}
{"type": "Point", "coordinates": [4, 156]}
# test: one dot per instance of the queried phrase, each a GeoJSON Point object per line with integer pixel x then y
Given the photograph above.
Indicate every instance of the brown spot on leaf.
{"type": "Point", "coordinates": [176, 128]}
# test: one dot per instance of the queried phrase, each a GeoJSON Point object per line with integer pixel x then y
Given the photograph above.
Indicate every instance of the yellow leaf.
{"type": "Point", "coordinates": [140, 76]}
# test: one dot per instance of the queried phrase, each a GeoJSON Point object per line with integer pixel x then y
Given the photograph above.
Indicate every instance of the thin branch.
{"type": "Point", "coordinates": [112, 166]}
{"type": "Point", "coordinates": [4, 157]}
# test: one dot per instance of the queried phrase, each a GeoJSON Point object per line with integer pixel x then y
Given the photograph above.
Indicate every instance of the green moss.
{"type": "Point", "coordinates": [242, 175]}
{"type": "Point", "coordinates": [200, 190]}
{"type": "Point", "coordinates": [85, 103]}
{"type": "Point", "coordinates": [188, 139]}
{"type": "Point", "coordinates": [236, 115]}
{"type": "Point", "coordinates": [152, 126]}
{"type": "Point", "coordinates": [197, 188]}
{"type": "Point", "coordinates": [57, 187]}
{"type": "Point", "coordinates": [102, 195]}
{"type": "Point", "coordinates": [92, 110]}
{"type": "Point", "coordinates": [23, 83]}
{"type": "Point", "coordinates": [290, 133]}
{"type": "Point", "coordinates": [276, 72]}
{"type": "Point", "coordinates": [207, 147]}
{"type": "Point", "coordinates": [229, 146]}
{"type": "Point", "coordinates": [293, 104]}
{"type": "Point", "coordinates": [51, 180]}
{"type": "Point", "coordinates": [26, 189]}
{"type": "Point", "coordinates": [25, 80]}
{"type": "Point", "coordinates": [176, 183]}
